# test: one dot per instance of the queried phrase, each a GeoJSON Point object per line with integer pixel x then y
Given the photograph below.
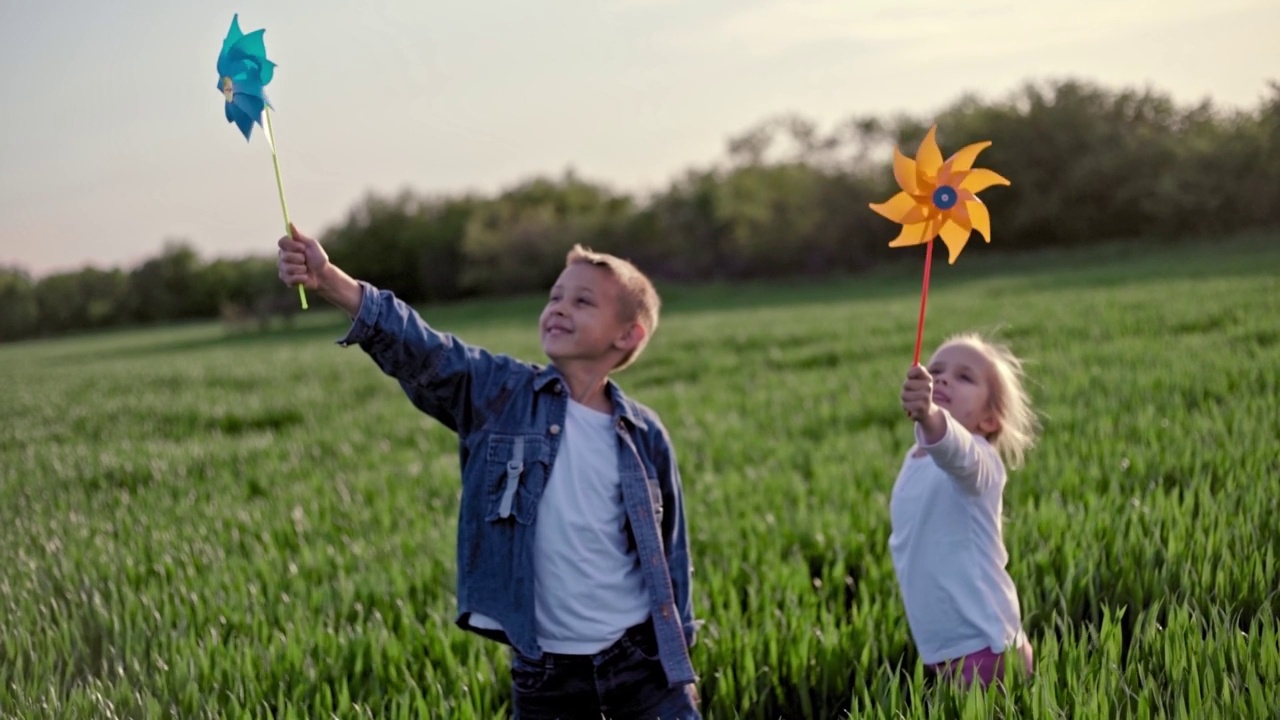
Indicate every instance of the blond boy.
{"type": "Point", "coordinates": [572, 543]}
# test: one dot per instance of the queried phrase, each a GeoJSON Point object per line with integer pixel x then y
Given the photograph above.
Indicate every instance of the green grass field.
{"type": "Point", "coordinates": [195, 525]}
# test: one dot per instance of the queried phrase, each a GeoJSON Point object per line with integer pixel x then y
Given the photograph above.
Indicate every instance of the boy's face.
{"type": "Point", "coordinates": [583, 318]}
{"type": "Point", "coordinates": [962, 384]}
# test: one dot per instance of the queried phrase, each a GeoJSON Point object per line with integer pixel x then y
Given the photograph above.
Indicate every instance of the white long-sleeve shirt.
{"type": "Point", "coordinates": [948, 547]}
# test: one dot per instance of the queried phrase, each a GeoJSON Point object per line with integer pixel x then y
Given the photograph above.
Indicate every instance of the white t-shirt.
{"type": "Point", "coordinates": [588, 586]}
{"type": "Point", "coordinates": [948, 547]}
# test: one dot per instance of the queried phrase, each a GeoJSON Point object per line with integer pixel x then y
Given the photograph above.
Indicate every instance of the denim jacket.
{"type": "Point", "coordinates": [508, 415]}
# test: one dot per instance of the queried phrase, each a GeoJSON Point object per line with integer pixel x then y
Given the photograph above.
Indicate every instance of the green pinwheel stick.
{"type": "Point", "coordinates": [243, 73]}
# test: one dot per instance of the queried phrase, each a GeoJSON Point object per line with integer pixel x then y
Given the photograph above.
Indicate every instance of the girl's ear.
{"type": "Point", "coordinates": [989, 429]}
{"type": "Point", "coordinates": [989, 424]}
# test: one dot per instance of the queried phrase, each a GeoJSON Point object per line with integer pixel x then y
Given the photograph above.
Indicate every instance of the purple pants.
{"type": "Point", "coordinates": [984, 666]}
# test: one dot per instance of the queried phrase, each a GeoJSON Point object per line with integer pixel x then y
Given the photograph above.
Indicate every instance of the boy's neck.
{"type": "Point", "coordinates": [586, 385]}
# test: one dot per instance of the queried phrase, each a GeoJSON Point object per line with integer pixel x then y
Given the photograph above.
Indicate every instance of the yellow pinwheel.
{"type": "Point", "coordinates": [939, 198]}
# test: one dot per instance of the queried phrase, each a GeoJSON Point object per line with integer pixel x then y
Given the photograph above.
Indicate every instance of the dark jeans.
{"type": "Point", "coordinates": [624, 681]}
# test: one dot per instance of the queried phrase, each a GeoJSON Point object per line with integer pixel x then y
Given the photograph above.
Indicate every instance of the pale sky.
{"type": "Point", "coordinates": [114, 136]}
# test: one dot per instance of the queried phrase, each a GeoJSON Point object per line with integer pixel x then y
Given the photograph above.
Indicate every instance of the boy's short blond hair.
{"type": "Point", "coordinates": [639, 301]}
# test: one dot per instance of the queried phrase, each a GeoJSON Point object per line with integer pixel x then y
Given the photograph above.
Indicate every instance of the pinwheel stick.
{"type": "Point", "coordinates": [275, 161]}
{"type": "Point", "coordinates": [924, 298]}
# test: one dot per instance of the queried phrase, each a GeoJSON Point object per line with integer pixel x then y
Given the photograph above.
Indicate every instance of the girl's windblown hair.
{"type": "Point", "coordinates": [1009, 400]}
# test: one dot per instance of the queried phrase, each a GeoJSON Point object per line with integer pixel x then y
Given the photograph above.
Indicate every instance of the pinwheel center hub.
{"type": "Point", "coordinates": [227, 88]}
{"type": "Point", "coordinates": [944, 198]}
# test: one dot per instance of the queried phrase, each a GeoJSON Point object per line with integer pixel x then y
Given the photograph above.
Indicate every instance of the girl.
{"type": "Point", "coordinates": [971, 416]}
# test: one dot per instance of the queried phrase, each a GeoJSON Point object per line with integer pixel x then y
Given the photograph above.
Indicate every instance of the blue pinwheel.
{"type": "Point", "coordinates": [243, 73]}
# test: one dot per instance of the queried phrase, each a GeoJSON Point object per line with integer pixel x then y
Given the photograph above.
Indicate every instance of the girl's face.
{"type": "Point", "coordinates": [962, 383]}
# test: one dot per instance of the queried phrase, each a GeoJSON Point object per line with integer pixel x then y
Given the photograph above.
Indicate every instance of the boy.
{"type": "Point", "coordinates": [572, 544]}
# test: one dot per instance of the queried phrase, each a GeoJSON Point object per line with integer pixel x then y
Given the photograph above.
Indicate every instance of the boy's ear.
{"type": "Point", "coordinates": [630, 338]}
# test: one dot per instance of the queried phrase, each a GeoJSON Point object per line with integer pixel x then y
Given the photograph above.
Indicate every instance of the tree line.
{"type": "Point", "coordinates": [1088, 164]}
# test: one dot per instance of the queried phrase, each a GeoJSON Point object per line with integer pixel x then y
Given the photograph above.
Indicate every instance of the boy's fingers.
{"type": "Point", "coordinates": [303, 240]}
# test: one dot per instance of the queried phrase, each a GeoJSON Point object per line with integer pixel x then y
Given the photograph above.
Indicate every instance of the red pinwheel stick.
{"type": "Point", "coordinates": [924, 298]}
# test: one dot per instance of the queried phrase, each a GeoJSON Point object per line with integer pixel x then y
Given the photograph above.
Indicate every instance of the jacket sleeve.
{"type": "Point", "coordinates": [442, 376]}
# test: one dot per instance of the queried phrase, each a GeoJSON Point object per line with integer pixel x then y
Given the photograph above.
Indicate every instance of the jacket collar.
{"type": "Point", "coordinates": [549, 378]}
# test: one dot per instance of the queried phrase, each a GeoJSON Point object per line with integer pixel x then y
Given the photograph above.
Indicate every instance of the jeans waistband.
{"type": "Point", "coordinates": [642, 634]}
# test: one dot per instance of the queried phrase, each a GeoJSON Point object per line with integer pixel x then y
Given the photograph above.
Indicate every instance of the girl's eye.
{"type": "Point", "coordinates": [583, 301]}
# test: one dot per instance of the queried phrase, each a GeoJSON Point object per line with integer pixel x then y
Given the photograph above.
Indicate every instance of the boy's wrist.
{"type": "Point", "coordinates": [325, 280]}
{"type": "Point", "coordinates": [340, 289]}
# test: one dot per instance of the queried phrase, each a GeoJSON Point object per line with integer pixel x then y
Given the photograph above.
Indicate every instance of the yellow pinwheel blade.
{"type": "Point", "coordinates": [896, 207]}
{"type": "Point", "coordinates": [929, 155]}
{"type": "Point", "coordinates": [913, 234]}
{"type": "Point", "coordinates": [919, 213]}
{"type": "Point", "coordinates": [904, 171]}
{"type": "Point", "coordinates": [960, 216]}
{"type": "Point", "coordinates": [963, 158]}
{"type": "Point", "coordinates": [979, 218]}
{"type": "Point", "coordinates": [955, 238]}
{"type": "Point", "coordinates": [981, 179]}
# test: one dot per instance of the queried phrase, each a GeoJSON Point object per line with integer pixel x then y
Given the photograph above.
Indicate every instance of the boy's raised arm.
{"type": "Point", "coordinates": [441, 375]}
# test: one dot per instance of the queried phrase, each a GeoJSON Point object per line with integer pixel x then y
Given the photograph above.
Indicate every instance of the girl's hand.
{"type": "Point", "coordinates": [917, 394]}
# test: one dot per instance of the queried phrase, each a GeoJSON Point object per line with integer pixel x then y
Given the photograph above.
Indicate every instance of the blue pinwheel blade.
{"type": "Point", "coordinates": [250, 105]}
{"type": "Point", "coordinates": [247, 86]}
{"type": "Point", "coordinates": [245, 123]}
{"type": "Point", "coordinates": [233, 35]}
{"type": "Point", "coordinates": [251, 45]}
{"type": "Point", "coordinates": [259, 69]}
{"type": "Point", "coordinates": [237, 116]}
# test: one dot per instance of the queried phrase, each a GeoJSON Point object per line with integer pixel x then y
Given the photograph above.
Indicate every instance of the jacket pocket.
{"type": "Point", "coordinates": [516, 469]}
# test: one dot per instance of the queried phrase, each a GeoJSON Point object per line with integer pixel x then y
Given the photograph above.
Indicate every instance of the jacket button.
{"type": "Point", "coordinates": [555, 429]}
{"type": "Point", "coordinates": [558, 388]}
